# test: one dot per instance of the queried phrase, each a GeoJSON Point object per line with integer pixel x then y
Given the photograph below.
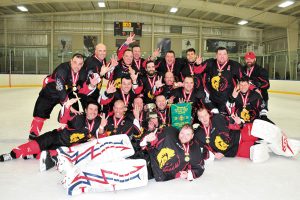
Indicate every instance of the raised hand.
{"type": "Point", "coordinates": [236, 118]}
{"type": "Point", "coordinates": [181, 100]}
{"type": "Point", "coordinates": [199, 59]}
{"type": "Point", "coordinates": [155, 54]}
{"type": "Point", "coordinates": [113, 62]}
{"type": "Point", "coordinates": [236, 91]}
{"type": "Point", "coordinates": [171, 100]}
{"type": "Point", "coordinates": [70, 102]}
{"type": "Point", "coordinates": [103, 122]}
{"type": "Point", "coordinates": [159, 83]}
{"type": "Point", "coordinates": [130, 39]}
{"type": "Point", "coordinates": [136, 112]}
{"type": "Point", "coordinates": [111, 88]}
{"type": "Point", "coordinates": [95, 79]}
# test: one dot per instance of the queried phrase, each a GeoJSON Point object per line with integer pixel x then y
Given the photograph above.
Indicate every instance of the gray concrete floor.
{"type": "Point", "coordinates": [230, 178]}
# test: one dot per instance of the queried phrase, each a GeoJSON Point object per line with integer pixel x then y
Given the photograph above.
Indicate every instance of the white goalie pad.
{"type": "Point", "coordinates": [105, 149]}
{"type": "Point", "coordinates": [276, 140]}
{"type": "Point", "coordinates": [99, 177]}
{"type": "Point", "coordinates": [259, 153]}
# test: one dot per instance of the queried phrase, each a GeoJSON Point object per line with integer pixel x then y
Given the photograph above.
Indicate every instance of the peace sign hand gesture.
{"type": "Point", "coordinates": [159, 83]}
{"type": "Point", "coordinates": [199, 59]}
{"type": "Point", "coordinates": [130, 39]}
{"type": "Point", "coordinates": [236, 91]}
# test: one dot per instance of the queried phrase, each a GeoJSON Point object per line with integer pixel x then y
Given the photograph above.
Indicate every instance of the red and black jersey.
{"type": "Point", "coordinates": [147, 87]}
{"type": "Point", "coordinates": [197, 97]}
{"type": "Point", "coordinates": [120, 71]}
{"type": "Point", "coordinates": [93, 64]}
{"type": "Point", "coordinates": [222, 136]}
{"type": "Point", "coordinates": [163, 67]}
{"type": "Point", "coordinates": [126, 126]}
{"type": "Point", "coordinates": [109, 99]}
{"type": "Point", "coordinates": [259, 79]}
{"type": "Point", "coordinates": [167, 91]}
{"type": "Point", "coordinates": [168, 156]}
{"type": "Point", "coordinates": [164, 117]}
{"type": "Point", "coordinates": [62, 81]}
{"type": "Point", "coordinates": [78, 130]}
{"type": "Point", "coordinates": [248, 105]}
{"type": "Point", "coordinates": [221, 82]}
{"type": "Point", "coordinates": [191, 69]}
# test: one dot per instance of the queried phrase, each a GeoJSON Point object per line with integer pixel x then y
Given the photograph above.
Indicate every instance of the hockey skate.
{"type": "Point", "coordinates": [47, 161]}
{"type": "Point", "coordinates": [6, 157]}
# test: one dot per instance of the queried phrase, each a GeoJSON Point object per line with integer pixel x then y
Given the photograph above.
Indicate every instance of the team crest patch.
{"type": "Point", "coordinates": [164, 156]}
{"type": "Point", "coordinates": [220, 144]}
{"type": "Point", "coordinates": [75, 137]}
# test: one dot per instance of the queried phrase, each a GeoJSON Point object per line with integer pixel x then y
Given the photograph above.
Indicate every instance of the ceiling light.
{"type": "Point", "coordinates": [173, 10]}
{"type": "Point", "coordinates": [22, 8]}
{"type": "Point", "coordinates": [101, 4]}
{"type": "Point", "coordinates": [286, 4]}
{"type": "Point", "coordinates": [243, 22]}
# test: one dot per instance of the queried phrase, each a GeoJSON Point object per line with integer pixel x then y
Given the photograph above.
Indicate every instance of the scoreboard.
{"type": "Point", "coordinates": [125, 28]}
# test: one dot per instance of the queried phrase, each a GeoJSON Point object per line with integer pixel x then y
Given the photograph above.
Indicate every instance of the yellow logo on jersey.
{"type": "Point", "coordinates": [150, 95]}
{"type": "Point", "coordinates": [215, 82]}
{"type": "Point", "coordinates": [245, 115]}
{"type": "Point", "coordinates": [75, 137]}
{"type": "Point", "coordinates": [118, 83]}
{"type": "Point", "coordinates": [164, 156]}
{"type": "Point", "coordinates": [220, 144]}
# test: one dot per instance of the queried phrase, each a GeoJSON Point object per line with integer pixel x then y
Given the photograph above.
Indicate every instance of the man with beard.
{"type": "Point", "coordinates": [112, 94]}
{"type": "Point", "coordinates": [174, 154]}
{"type": "Point", "coordinates": [169, 86]}
{"type": "Point", "coordinates": [220, 77]}
{"type": "Point", "coordinates": [259, 78]}
{"type": "Point", "coordinates": [149, 85]}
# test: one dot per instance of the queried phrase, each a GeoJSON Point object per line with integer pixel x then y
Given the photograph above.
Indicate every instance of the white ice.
{"type": "Point", "coordinates": [230, 178]}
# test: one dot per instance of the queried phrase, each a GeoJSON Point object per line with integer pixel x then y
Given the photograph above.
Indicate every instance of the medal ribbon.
{"type": "Point", "coordinates": [138, 64]}
{"type": "Point", "coordinates": [163, 116]}
{"type": "Point", "coordinates": [116, 123]}
{"type": "Point", "coordinates": [220, 68]}
{"type": "Point", "coordinates": [207, 131]}
{"type": "Point", "coordinates": [187, 99]}
{"type": "Point", "coordinates": [191, 69]}
{"type": "Point", "coordinates": [151, 82]}
{"type": "Point", "coordinates": [186, 148]}
{"type": "Point", "coordinates": [245, 99]}
{"type": "Point", "coordinates": [90, 126]}
{"type": "Point", "coordinates": [125, 98]}
{"type": "Point", "coordinates": [74, 77]}
{"type": "Point", "coordinates": [170, 68]}
{"type": "Point", "coordinates": [249, 72]}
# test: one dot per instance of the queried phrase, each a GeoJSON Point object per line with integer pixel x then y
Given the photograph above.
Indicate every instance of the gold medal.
{"type": "Point", "coordinates": [74, 88]}
{"type": "Point", "coordinates": [187, 159]}
{"type": "Point", "coordinates": [207, 140]}
{"type": "Point", "coordinates": [219, 74]}
{"type": "Point", "coordinates": [115, 131]}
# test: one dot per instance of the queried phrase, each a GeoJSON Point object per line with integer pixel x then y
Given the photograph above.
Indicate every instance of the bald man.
{"type": "Point", "coordinates": [96, 64]}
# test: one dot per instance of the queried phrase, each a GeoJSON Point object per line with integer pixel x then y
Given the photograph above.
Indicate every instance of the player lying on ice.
{"type": "Point", "coordinates": [223, 136]}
